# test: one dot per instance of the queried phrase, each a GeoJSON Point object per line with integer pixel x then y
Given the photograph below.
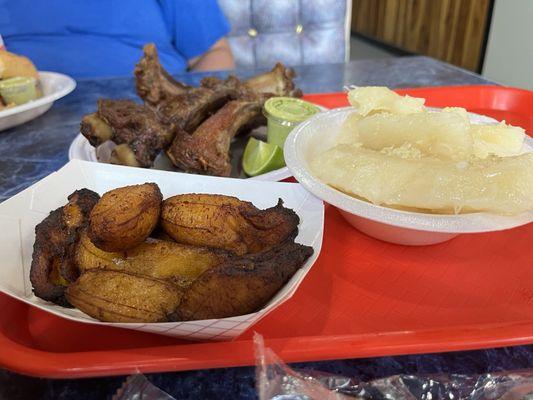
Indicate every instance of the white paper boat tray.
{"type": "Point", "coordinates": [20, 214]}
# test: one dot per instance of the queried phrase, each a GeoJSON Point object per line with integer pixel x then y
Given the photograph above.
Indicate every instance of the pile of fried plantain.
{"type": "Point", "coordinates": [129, 256]}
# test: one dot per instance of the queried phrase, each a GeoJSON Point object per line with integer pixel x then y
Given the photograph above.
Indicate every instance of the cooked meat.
{"type": "Point", "coordinates": [133, 125]}
{"type": "Point", "coordinates": [118, 296]}
{"type": "Point", "coordinates": [241, 90]}
{"type": "Point", "coordinates": [187, 111]}
{"type": "Point", "coordinates": [162, 259]}
{"type": "Point", "coordinates": [154, 84]}
{"type": "Point", "coordinates": [206, 151]}
{"type": "Point", "coordinates": [96, 130]}
{"type": "Point", "coordinates": [241, 286]}
{"type": "Point", "coordinates": [212, 113]}
{"type": "Point", "coordinates": [279, 82]}
{"type": "Point", "coordinates": [226, 222]}
{"type": "Point", "coordinates": [53, 264]}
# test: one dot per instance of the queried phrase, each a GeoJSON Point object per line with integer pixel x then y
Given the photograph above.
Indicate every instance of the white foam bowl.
{"type": "Point", "coordinates": [320, 132]}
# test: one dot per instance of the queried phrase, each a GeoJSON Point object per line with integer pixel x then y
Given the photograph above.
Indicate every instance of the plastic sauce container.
{"type": "Point", "coordinates": [283, 114]}
{"type": "Point", "coordinates": [18, 90]}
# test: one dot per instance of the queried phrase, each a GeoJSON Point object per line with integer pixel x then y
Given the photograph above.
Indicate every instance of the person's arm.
{"type": "Point", "coordinates": [199, 28]}
{"type": "Point", "coordinates": [216, 58]}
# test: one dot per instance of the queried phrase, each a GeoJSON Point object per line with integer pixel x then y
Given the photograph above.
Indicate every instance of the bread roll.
{"type": "Point", "coordinates": [12, 65]}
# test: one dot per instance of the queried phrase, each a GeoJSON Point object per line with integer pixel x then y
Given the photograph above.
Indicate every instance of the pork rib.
{"type": "Point", "coordinates": [133, 126]}
{"type": "Point", "coordinates": [279, 82]}
{"type": "Point", "coordinates": [206, 151]}
{"type": "Point", "coordinates": [188, 110]}
{"type": "Point", "coordinates": [153, 83]}
{"type": "Point", "coordinates": [199, 122]}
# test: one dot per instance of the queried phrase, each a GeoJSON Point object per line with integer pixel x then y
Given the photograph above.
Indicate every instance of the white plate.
{"type": "Point", "coordinates": [81, 149]}
{"type": "Point", "coordinates": [20, 214]}
{"type": "Point", "coordinates": [54, 86]}
{"type": "Point", "coordinates": [402, 227]}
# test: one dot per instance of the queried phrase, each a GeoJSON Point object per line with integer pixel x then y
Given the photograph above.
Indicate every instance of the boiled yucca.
{"type": "Point", "coordinates": [348, 132]}
{"type": "Point", "coordinates": [372, 99]}
{"type": "Point", "coordinates": [441, 134]}
{"type": "Point", "coordinates": [501, 139]}
{"type": "Point", "coordinates": [500, 185]}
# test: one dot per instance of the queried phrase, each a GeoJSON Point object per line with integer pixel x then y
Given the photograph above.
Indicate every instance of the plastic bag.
{"type": "Point", "coordinates": [277, 381]}
{"type": "Point", "coordinates": [137, 387]}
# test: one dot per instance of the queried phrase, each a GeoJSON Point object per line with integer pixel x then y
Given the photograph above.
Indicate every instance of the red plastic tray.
{"type": "Point", "coordinates": [362, 298]}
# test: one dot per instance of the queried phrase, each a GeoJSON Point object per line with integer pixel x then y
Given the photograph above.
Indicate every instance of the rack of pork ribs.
{"type": "Point", "coordinates": [193, 125]}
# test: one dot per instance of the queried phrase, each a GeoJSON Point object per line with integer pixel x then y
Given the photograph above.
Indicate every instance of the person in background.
{"type": "Point", "coordinates": [92, 38]}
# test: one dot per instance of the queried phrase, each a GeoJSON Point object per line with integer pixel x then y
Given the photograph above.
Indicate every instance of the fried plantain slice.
{"type": "Point", "coordinates": [243, 285]}
{"type": "Point", "coordinates": [118, 296]}
{"type": "Point", "coordinates": [53, 265]}
{"type": "Point", "coordinates": [160, 234]}
{"type": "Point", "coordinates": [178, 263]}
{"type": "Point", "coordinates": [227, 222]}
{"type": "Point", "coordinates": [125, 217]}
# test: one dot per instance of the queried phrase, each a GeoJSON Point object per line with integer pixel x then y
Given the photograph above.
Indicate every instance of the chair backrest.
{"type": "Point", "coordinates": [293, 32]}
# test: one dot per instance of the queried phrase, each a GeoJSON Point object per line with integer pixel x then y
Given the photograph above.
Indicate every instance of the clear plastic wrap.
{"type": "Point", "coordinates": [277, 381]}
{"type": "Point", "coordinates": [137, 387]}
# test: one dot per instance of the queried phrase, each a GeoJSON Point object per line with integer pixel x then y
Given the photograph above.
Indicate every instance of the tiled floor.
{"type": "Point", "coordinates": [361, 49]}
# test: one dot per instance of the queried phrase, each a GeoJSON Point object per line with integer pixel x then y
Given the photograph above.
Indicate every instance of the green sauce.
{"type": "Point", "coordinates": [283, 114]}
{"type": "Point", "coordinates": [18, 90]}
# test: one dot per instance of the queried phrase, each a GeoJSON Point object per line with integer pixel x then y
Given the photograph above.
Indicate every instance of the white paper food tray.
{"type": "Point", "coordinates": [20, 214]}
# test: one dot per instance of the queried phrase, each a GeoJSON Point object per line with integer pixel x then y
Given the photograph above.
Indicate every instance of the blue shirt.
{"type": "Point", "coordinates": [89, 38]}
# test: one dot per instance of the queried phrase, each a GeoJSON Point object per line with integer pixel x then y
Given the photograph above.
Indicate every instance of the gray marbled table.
{"type": "Point", "coordinates": [34, 150]}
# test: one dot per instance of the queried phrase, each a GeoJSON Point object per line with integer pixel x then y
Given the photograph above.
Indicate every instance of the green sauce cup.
{"type": "Point", "coordinates": [283, 114]}
{"type": "Point", "coordinates": [18, 90]}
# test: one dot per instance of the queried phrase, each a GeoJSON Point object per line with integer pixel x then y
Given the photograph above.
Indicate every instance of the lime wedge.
{"type": "Point", "coordinates": [261, 157]}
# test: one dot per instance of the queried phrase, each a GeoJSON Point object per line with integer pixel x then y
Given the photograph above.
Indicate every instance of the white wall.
{"type": "Point", "coordinates": [509, 56]}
